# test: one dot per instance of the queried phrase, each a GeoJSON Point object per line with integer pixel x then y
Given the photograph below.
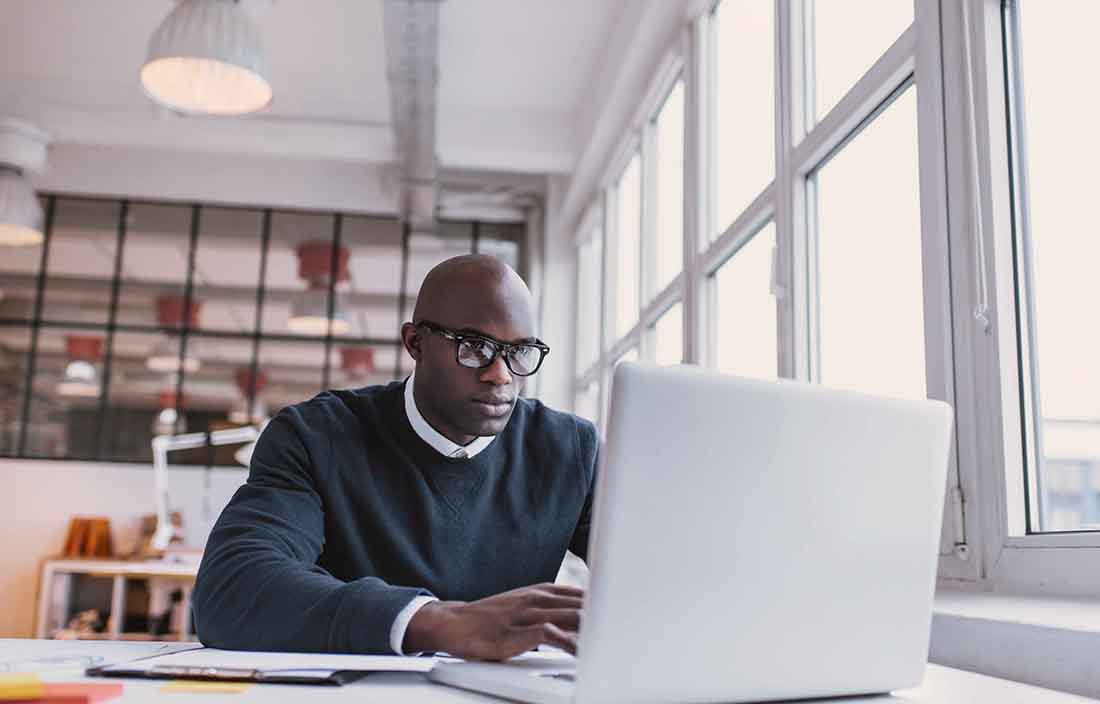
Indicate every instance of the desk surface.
{"type": "Point", "coordinates": [941, 685]}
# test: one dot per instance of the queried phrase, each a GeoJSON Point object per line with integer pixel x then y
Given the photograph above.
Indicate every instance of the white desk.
{"type": "Point", "coordinates": [941, 685]}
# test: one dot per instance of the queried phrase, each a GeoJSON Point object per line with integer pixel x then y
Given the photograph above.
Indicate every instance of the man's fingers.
{"type": "Point", "coordinates": [553, 601]}
{"type": "Point", "coordinates": [565, 619]}
{"type": "Point", "coordinates": [562, 589]}
{"type": "Point", "coordinates": [552, 635]}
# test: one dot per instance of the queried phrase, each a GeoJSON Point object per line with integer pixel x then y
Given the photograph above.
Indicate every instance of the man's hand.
{"type": "Point", "coordinates": [501, 626]}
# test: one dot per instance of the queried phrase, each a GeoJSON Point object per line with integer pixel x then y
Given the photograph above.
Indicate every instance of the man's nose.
{"type": "Point", "coordinates": [497, 373]}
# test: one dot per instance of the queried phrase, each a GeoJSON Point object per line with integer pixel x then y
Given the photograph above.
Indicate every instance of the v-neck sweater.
{"type": "Point", "coordinates": [347, 515]}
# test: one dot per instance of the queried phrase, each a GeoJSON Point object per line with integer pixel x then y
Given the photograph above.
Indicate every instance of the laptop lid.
{"type": "Point", "coordinates": [760, 540]}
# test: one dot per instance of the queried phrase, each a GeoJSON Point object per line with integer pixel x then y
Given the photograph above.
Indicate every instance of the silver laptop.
{"type": "Point", "coordinates": [752, 541]}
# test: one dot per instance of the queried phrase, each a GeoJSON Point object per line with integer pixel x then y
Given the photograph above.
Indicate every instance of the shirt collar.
{"type": "Point", "coordinates": [442, 444]}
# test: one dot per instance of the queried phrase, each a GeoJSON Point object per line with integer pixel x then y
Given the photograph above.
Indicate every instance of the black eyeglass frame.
{"type": "Point", "coordinates": [497, 346]}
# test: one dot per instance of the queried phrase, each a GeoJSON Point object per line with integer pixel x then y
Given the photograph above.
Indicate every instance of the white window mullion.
{"type": "Point", "coordinates": [937, 273]}
{"type": "Point", "coordinates": [791, 256]}
{"type": "Point", "coordinates": [695, 195]}
{"type": "Point", "coordinates": [647, 237]}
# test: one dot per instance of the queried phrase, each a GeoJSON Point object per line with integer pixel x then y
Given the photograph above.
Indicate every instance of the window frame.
{"type": "Point", "coordinates": [982, 544]}
{"type": "Point", "coordinates": [1058, 564]}
{"type": "Point", "coordinates": [258, 339]}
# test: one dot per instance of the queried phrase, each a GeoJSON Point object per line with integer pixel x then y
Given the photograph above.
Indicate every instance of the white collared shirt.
{"type": "Point", "coordinates": [446, 447]}
{"type": "Point", "coordinates": [442, 444]}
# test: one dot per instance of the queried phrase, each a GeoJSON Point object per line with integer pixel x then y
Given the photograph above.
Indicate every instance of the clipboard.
{"type": "Point", "coordinates": [212, 664]}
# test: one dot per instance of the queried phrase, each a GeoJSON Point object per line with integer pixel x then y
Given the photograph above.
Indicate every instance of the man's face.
{"type": "Point", "coordinates": [461, 401]}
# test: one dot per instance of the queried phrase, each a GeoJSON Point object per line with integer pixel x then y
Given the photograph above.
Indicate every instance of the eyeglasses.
{"type": "Point", "coordinates": [477, 352]}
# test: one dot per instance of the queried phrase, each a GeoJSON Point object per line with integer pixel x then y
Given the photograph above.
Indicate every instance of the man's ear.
{"type": "Point", "coordinates": [410, 336]}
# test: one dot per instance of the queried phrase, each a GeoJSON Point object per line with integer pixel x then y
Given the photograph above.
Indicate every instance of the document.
{"type": "Point", "coordinates": [236, 665]}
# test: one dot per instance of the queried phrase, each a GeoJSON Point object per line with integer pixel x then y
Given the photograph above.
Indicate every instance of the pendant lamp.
{"type": "Point", "coordinates": [22, 148]}
{"type": "Point", "coordinates": [205, 59]}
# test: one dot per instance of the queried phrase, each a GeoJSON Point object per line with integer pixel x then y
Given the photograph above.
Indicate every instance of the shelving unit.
{"type": "Point", "coordinates": [55, 593]}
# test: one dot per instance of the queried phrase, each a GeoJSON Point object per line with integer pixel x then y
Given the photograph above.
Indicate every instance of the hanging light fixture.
{"type": "Point", "coordinates": [164, 357]}
{"type": "Point", "coordinates": [249, 385]}
{"type": "Point", "coordinates": [81, 377]}
{"type": "Point", "coordinates": [309, 311]}
{"type": "Point", "coordinates": [205, 58]}
{"type": "Point", "coordinates": [22, 148]}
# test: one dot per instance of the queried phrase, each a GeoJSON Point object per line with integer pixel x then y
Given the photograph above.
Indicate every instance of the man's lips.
{"type": "Point", "coordinates": [494, 405]}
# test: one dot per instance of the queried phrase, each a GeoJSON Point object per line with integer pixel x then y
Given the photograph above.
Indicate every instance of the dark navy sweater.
{"type": "Point", "coordinates": [348, 514]}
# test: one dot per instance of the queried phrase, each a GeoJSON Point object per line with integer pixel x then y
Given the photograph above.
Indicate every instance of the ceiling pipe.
{"type": "Point", "coordinates": [412, 66]}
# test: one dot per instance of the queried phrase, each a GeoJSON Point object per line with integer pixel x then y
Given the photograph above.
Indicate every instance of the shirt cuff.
{"type": "Point", "coordinates": [401, 623]}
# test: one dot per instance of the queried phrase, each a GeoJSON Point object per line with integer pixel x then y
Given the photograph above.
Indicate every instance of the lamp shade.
{"type": "Point", "coordinates": [309, 314]}
{"type": "Point", "coordinates": [205, 58]}
{"type": "Point", "coordinates": [20, 212]}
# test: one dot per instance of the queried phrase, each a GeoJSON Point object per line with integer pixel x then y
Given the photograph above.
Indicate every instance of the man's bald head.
{"type": "Point", "coordinates": [472, 290]}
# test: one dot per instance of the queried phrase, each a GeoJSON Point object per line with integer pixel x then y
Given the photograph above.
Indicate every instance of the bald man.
{"type": "Point", "coordinates": [425, 515]}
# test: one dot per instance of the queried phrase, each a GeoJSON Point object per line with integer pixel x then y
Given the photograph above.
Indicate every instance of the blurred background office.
{"type": "Point", "coordinates": [210, 209]}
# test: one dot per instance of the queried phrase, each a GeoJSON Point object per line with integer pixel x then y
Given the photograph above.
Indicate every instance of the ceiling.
{"type": "Point", "coordinates": [517, 81]}
{"type": "Point", "coordinates": [513, 78]}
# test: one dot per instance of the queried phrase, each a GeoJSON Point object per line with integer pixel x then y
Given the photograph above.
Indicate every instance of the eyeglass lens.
{"type": "Point", "coordinates": [522, 359]}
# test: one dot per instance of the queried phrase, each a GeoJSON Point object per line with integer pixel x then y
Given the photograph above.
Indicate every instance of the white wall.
{"type": "Point", "coordinates": [40, 496]}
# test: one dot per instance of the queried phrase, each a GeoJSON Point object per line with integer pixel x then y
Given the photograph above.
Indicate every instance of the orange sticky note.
{"type": "Point", "coordinates": [19, 685]}
{"type": "Point", "coordinates": [206, 686]}
{"type": "Point", "coordinates": [80, 692]}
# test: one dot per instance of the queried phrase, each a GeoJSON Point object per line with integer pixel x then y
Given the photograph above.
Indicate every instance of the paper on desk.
{"type": "Point", "coordinates": [60, 659]}
{"type": "Point", "coordinates": [280, 662]}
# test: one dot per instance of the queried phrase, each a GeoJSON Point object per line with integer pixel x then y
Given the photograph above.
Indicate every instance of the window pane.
{"type": "Point", "coordinates": [746, 342]}
{"type": "Point", "coordinates": [744, 128]}
{"type": "Point", "coordinates": [589, 286]}
{"type": "Point", "coordinates": [227, 268]}
{"type": "Point", "coordinates": [142, 394]}
{"type": "Point", "coordinates": [501, 240]}
{"type": "Point", "coordinates": [294, 371]}
{"type": "Point", "coordinates": [154, 261]}
{"type": "Point", "coordinates": [63, 410]}
{"type": "Point", "coordinates": [849, 36]}
{"type": "Point", "coordinates": [1060, 254]}
{"type": "Point", "coordinates": [374, 279]}
{"type": "Point", "coordinates": [628, 242]}
{"type": "Point", "coordinates": [669, 157]}
{"type": "Point", "coordinates": [587, 403]}
{"type": "Point", "coordinates": [299, 266]}
{"type": "Point", "coordinates": [668, 336]}
{"type": "Point", "coordinates": [871, 312]}
{"type": "Point", "coordinates": [354, 365]}
{"type": "Point", "coordinates": [81, 263]}
{"type": "Point", "coordinates": [15, 342]}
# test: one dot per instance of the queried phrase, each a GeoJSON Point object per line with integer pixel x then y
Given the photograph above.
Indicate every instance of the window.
{"type": "Point", "coordinates": [1055, 270]}
{"type": "Point", "coordinates": [668, 336]}
{"type": "Point", "coordinates": [743, 128]}
{"type": "Point", "coordinates": [628, 241]}
{"type": "Point", "coordinates": [589, 285]}
{"type": "Point", "coordinates": [668, 155]}
{"type": "Point", "coordinates": [744, 309]}
{"type": "Point", "coordinates": [587, 403]}
{"type": "Point", "coordinates": [870, 284]}
{"type": "Point", "coordinates": [135, 318]}
{"type": "Point", "coordinates": [842, 53]}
